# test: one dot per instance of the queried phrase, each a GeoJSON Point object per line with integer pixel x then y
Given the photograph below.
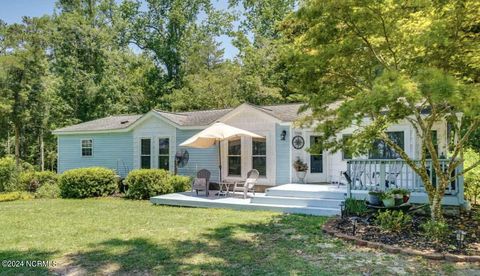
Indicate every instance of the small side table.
{"type": "Point", "coordinates": [224, 188]}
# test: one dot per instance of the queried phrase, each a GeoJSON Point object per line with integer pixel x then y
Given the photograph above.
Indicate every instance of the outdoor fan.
{"type": "Point", "coordinates": [181, 159]}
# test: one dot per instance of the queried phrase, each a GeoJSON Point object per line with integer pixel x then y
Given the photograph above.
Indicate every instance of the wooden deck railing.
{"type": "Point", "coordinates": [382, 174]}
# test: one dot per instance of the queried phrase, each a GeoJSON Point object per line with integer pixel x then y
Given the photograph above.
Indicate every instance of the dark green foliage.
{"type": "Point", "coordinates": [393, 221]}
{"type": "Point", "coordinates": [8, 174]}
{"type": "Point", "coordinates": [145, 183]}
{"type": "Point", "coordinates": [87, 182]}
{"type": "Point", "coordinates": [355, 207]}
{"type": "Point", "coordinates": [180, 183]}
{"type": "Point", "coordinates": [31, 180]}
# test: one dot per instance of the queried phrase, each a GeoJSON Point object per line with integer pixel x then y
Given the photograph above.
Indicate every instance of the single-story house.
{"type": "Point", "coordinates": [152, 140]}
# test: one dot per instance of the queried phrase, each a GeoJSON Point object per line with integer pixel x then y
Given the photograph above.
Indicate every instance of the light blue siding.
{"type": "Point", "coordinates": [110, 150]}
{"type": "Point", "coordinates": [282, 149]}
{"type": "Point", "coordinates": [199, 158]}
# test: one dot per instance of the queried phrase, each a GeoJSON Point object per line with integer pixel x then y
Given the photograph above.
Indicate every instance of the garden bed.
{"type": "Point", "coordinates": [414, 240]}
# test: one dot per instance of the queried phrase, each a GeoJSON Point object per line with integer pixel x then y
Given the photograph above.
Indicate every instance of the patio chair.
{"type": "Point", "coordinates": [202, 181]}
{"type": "Point", "coordinates": [248, 185]}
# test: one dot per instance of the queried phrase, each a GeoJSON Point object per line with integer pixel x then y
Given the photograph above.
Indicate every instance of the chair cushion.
{"type": "Point", "coordinates": [200, 183]}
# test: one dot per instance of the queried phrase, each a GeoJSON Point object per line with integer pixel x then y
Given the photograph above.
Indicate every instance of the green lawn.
{"type": "Point", "coordinates": [120, 236]}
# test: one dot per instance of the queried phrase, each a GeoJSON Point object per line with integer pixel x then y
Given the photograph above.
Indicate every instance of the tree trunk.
{"type": "Point", "coordinates": [17, 145]}
{"type": "Point", "coordinates": [436, 208]}
{"type": "Point", "coordinates": [42, 151]}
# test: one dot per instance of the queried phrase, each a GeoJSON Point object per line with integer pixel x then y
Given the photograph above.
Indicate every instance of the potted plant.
{"type": "Point", "coordinates": [388, 199]}
{"type": "Point", "coordinates": [374, 197]}
{"type": "Point", "coordinates": [398, 196]}
{"type": "Point", "coordinates": [401, 196]}
{"type": "Point", "coordinates": [301, 168]}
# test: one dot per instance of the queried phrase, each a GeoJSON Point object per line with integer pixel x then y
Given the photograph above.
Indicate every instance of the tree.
{"type": "Point", "coordinates": [472, 178]}
{"type": "Point", "coordinates": [382, 62]}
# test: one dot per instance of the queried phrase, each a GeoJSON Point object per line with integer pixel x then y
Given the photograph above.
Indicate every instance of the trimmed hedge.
{"type": "Point", "coordinates": [145, 183]}
{"type": "Point", "coordinates": [180, 183]}
{"type": "Point", "coordinates": [48, 190]}
{"type": "Point", "coordinates": [87, 182]}
{"type": "Point", "coordinates": [31, 181]}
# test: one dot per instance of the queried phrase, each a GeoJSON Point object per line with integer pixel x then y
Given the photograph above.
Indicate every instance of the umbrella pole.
{"type": "Point", "coordinates": [219, 162]}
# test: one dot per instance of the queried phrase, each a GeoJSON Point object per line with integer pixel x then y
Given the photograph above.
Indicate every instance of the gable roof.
{"type": "Point", "coordinates": [283, 112]}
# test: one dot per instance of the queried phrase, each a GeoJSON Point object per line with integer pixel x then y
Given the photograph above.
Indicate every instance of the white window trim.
{"type": "Point", "coordinates": [265, 155]}
{"type": "Point", "coordinates": [240, 155]}
{"type": "Point", "coordinates": [81, 148]}
{"type": "Point", "coordinates": [140, 155]}
{"type": "Point", "coordinates": [169, 151]}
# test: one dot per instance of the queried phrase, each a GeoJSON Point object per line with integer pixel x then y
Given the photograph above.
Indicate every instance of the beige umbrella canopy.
{"type": "Point", "coordinates": [214, 134]}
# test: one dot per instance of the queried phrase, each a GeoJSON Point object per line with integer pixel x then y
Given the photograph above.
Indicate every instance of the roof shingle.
{"type": "Point", "coordinates": [283, 112]}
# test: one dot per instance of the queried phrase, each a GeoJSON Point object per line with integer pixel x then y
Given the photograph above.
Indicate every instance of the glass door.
{"type": "Point", "coordinates": [316, 160]}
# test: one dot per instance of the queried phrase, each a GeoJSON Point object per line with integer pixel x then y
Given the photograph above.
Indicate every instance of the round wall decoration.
{"type": "Point", "coordinates": [298, 142]}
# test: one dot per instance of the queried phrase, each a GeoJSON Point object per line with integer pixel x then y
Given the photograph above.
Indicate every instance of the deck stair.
{"type": "Point", "coordinates": [322, 200]}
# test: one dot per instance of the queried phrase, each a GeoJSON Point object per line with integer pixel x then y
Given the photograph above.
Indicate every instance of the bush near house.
{"type": "Point", "coordinates": [180, 183]}
{"type": "Point", "coordinates": [87, 182]}
{"type": "Point", "coordinates": [31, 180]}
{"type": "Point", "coordinates": [393, 221]}
{"type": "Point", "coordinates": [48, 190]}
{"type": "Point", "coordinates": [145, 183]}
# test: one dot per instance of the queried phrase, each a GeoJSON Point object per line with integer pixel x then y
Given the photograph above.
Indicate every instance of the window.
{"type": "Point", "coordinates": [346, 153]}
{"type": "Point", "coordinates": [259, 155]}
{"type": "Point", "coordinates": [380, 150]}
{"type": "Point", "coordinates": [145, 153]}
{"type": "Point", "coordinates": [234, 157]}
{"type": "Point", "coordinates": [435, 144]}
{"type": "Point", "coordinates": [164, 153]}
{"type": "Point", "coordinates": [87, 147]}
{"type": "Point", "coordinates": [316, 159]}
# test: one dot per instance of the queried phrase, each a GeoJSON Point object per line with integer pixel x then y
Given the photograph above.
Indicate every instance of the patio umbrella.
{"type": "Point", "coordinates": [213, 135]}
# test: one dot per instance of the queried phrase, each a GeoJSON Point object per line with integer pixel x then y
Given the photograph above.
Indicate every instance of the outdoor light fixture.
{"type": "Point", "coordinates": [283, 135]}
{"type": "Point", "coordinates": [354, 223]}
{"type": "Point", "coordinates": [460, 235]}
{"type": "Point", "coordinates": [342, 209]}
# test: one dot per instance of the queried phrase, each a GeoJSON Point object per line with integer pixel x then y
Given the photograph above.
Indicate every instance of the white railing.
{"type": "Point", "coordinates": [383, 174]}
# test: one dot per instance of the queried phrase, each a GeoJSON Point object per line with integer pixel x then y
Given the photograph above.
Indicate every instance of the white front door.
{"type": "Point", "coordinates": [317, 171]}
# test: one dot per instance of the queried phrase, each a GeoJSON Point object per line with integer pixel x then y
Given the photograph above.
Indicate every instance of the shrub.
{"type": "Point", "coordinates": [435, 230]}
{"type": "Point", "coordinates": [11, 196]}
{"type": "Point", "coordinates": [31, 180]}
{"type": "Point", "coordinates": [180, 183]}
{"type": "Point", "coordinates": [355, 207]}
{"type": "Point", "coordinates": [87, 182]}
{"type": "Point", "coordinates": [8, 174]}
{"type": "Point", "coordinates": [145, 183]}
{"type": "Point", "coordinates": [393, 221]}
{"type": "Point", "coordinates": [48, 190]}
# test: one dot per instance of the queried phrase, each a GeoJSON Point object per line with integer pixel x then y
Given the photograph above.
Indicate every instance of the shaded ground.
{"type": "Point", "coordinates": [117, 236]}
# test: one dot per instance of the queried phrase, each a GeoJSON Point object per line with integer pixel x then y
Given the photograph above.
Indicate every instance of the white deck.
{"type": "Point", "coordinates": [322, 200]}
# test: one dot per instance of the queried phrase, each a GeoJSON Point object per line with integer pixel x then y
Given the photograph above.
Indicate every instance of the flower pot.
{"type": "Point", "coordinates": [406, 198]}
{"type": "Point", "coordinates": [388, 202]}
{"type": "Point", "coordinates": [301, 176]}
{"type": "Point", "coordinates": [374, 199]}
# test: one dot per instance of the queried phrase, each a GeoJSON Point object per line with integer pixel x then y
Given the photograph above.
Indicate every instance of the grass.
{"type": "Point", "coordinates": [108, 236]}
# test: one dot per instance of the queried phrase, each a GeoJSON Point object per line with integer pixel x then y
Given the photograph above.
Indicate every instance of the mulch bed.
{"type": "Point", "coordinates": [414, 240]}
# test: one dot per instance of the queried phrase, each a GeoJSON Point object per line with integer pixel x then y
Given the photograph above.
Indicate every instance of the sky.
{"type": "Point", "coordinates": [12, 11]}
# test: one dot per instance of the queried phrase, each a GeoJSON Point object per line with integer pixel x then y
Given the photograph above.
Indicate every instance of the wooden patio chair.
{"type": "Point", "coordinates": [248, 185]}
{"type": "Point", "coordinates": [202, 181]}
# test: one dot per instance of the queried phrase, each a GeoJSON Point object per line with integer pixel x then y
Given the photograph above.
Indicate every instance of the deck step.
{"type": "Point", "coordinates": [306, 194]}
{"type": "Point", "coordinates": [175, 200]}
{"type": "Point", "coordinates": [297, 201]}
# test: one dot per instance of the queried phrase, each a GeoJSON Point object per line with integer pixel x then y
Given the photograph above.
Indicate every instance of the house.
{"type": "Point", "coordinates": [152, 140]}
